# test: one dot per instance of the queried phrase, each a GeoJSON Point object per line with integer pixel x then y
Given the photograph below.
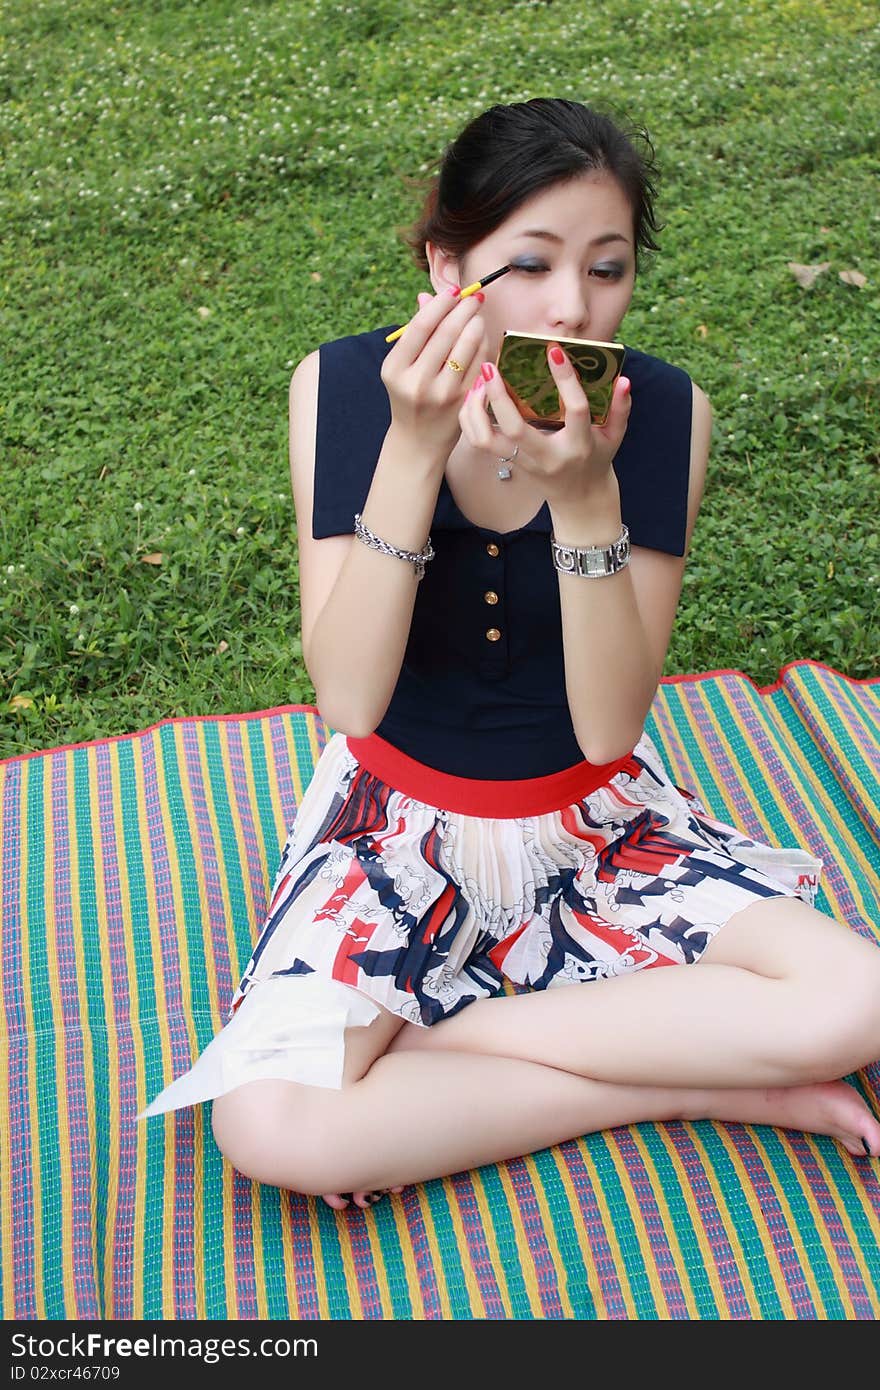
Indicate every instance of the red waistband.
{"type": "Point", "coordinates": [473, 796]}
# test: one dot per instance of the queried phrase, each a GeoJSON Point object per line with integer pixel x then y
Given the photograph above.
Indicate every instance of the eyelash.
{"type": "Point", "coordinates": [603, 272]}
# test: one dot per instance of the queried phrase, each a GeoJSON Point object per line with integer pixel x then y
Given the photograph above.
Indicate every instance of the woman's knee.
{"type": "Point", "coordinates": [275, 1132]}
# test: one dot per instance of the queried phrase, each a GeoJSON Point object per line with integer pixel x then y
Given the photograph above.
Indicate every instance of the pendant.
{"type": "Point", "coordinates": [503, 473]}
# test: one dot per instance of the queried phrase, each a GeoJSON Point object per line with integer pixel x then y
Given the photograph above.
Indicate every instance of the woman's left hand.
{"type": "Point", "coordinates": [570, 462]}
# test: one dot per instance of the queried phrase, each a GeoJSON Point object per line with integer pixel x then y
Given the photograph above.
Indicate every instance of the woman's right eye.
{"type": "Point", "coordinates": [530, 267]}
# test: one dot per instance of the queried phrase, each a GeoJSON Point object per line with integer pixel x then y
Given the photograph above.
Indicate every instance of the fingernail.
{"type": "Point", "coordinates": [866, 1146]}
{"type": "Point", "coordinates": [453, 290]}
{"type": "Point", "coordinates": [488, 371]}
{"type": "Point", "coordinates": [625, 385]}
{"type": "Point", "coordinates": [557, 356]}
{"type": "Point", "coordinates": [423, 299]}
{"type": "Point", "coordinates": [478, 294]}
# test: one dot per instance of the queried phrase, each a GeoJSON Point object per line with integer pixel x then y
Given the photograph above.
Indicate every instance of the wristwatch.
{"type": "Point", "coordinates": [592, 561]}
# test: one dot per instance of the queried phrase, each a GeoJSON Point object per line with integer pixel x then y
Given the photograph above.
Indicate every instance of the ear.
{"type": "Point", "coordinates": [444, 268]}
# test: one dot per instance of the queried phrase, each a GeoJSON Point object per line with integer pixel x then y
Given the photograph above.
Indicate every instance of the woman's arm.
{"type": "Point", "coordinates": [356, 602]}
{"type": "Point", "coordinates": [616, 630]}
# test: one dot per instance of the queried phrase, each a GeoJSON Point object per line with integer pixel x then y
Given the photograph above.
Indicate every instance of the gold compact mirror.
{"type": "Point", "coordinates": [522, 362]}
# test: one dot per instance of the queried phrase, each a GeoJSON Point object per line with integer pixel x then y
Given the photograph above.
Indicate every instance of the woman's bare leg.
{"type": "Point", "coordinates": [783, 996]}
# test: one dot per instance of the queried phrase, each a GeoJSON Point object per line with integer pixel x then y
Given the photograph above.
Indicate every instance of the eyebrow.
{"type": "Point", "coordinates": [597, 241]}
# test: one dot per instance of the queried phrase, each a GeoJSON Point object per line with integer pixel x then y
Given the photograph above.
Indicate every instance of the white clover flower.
{"type": "Point", "coordinates": [74, 610]}
{"type": "Point", "coordinates": [138, 506]}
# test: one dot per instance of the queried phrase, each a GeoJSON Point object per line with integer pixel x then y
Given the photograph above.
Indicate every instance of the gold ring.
{"type": "Point", "coordinates": [456, 366]}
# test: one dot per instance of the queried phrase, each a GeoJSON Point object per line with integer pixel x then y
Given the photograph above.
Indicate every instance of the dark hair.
{"type": "Point", "coordinates": [509, 153]}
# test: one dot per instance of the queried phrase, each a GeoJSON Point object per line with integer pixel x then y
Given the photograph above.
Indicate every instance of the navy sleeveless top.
{"type": "Point", "coordinates": [464, 703]}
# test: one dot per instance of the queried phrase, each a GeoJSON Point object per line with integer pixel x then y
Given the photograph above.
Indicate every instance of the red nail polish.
{"type": "Point", "coordinates": [557, 356]}
{"type": "Point", "coordinates": [453, 290]}
{"type": "Point", "coordinates": [488, 371]}
{"type": "Point", "coordinates": [478, 294]}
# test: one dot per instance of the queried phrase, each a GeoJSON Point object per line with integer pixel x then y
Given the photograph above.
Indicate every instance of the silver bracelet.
{"type": "Point", "coordinates": [592, 561]}
{"type": "Point", "coordinates": [418, 559]}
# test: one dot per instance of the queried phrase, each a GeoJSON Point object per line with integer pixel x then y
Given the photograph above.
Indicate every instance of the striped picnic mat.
{"type": "Point", "coordinates": [134, 874]}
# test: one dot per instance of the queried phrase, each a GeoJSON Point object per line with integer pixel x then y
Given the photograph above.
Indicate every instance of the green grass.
{"type": "Point", "coordinates": [193, 195]}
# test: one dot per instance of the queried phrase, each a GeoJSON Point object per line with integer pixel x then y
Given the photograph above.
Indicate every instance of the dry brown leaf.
{"type": "Point", "coordinates": [316, 276]}
{"type": "Point", "coordinates": [702, 331]}
{"type": "Point", "coordinates": [155, 559]}
{"type": "Point", "coordinates": [21, 702]}
{"type": "Point", "coordinates": [854, 277]}
{"type": "Point", "coordinates": [807, 274]}
{"type": "Point", "coordinates": [221, 648]}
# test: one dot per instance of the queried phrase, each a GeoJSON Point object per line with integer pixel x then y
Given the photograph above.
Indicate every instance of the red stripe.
{"type": "Point", "coordinates": [473, 796]}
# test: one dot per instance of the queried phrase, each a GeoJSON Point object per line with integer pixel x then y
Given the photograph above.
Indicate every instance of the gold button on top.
{"type": "Point", "coordinates": [493, 634]}
{"type": "Point", "coordinates": [490, 596]}
{"type": "Point", "coordinates": [492, 548]}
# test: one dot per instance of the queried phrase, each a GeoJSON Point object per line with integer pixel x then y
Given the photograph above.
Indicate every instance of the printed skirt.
{"type": "Point", "coordinates": [423, 892]}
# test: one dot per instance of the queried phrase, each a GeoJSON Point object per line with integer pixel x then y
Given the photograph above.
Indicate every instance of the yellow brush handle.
{"type": "Point", "coordinates": [471, 289]}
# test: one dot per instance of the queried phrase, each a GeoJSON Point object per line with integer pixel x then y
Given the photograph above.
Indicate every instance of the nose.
{"type": "Point", "coordinates": [568, 311]}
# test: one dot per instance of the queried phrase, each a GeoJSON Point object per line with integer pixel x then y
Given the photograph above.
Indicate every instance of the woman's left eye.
{"type": "Point", "coordinates": [611, 271]}
{"type": "Point", "coordinates": [530, 267]}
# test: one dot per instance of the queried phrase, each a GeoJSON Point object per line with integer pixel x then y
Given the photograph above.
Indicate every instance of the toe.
{"type": "Point", "coordinates": [337, 1200]}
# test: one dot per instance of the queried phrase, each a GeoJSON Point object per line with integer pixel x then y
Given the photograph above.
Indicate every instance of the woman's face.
{"type": "Point", "coordinates": [573, 254]}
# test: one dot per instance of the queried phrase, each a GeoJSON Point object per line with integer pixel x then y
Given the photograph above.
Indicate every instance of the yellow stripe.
{"type": "Point", "coordinates": [548, 1226]}
{"type": "Point", "coordinates": [97, 924]}
{"type": "Point", "coordinates": [821, 1224]}
{"type": "Point", "coordinates": [589, 1258]}
{"type": "Point", "coordinates": [63, 1120]}
{"type": "Point", "coordinates": [724, 1216]}
{"type": "Point", "coordinates": [757, 1213]}
{"type": "Point", "coordinates": [813, 793]}
{"type": "Point", "coordinates": [668, 1224]}
{"type": "Point", "coordinates": [417, 1295]}
{"type": "Point", "coordinates": [140, 1186]}
{"type": "Point", "coordinates": [525, 1259]}
{"type": "Point", "coordinates": [610, 1229]}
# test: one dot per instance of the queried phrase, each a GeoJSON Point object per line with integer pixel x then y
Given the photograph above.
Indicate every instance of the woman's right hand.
{"type": "Point", "coordinates": [425, 392]}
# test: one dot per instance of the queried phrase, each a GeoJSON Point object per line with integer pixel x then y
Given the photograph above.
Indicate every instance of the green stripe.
{"type": "Point", "coordinates": [451, 1271]}
{"type": "Point", "coordinates": [328, 1264]}
{"type": "Point", "coordinates": [574, 1278]}
{"type": "Point", "coordinates": [623, 1229]}
{"type": "Point", "coordinates": [393, 1264]}
{"type": "Point", "coordinates": [504, 1225]}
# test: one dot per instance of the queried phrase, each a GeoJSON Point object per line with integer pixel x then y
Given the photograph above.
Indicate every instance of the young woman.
{"type": "Point", "coordinates": [486, 610]}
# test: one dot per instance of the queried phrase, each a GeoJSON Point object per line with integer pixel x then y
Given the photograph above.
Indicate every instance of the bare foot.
{"type": "Point", "coordinates": [339, 1200]}
{"type": "Point", "coordinates": [830, 1107]}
